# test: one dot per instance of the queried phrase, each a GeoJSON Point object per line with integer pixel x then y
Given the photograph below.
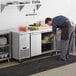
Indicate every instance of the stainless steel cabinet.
{"type": "Point", "coordinates": [27, 45]}
{"type": "Point", "coordinates": [35, 44]}
{"type": "Point", "coordinates": [5, 46]}
{"type": "Point", "coordinates": [20, 46]}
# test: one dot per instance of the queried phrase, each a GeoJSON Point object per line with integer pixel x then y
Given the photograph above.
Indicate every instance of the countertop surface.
{"type": "Point", "coordinates": [41, 29]}
{"type": "Point", "coordinates": [16, 30]}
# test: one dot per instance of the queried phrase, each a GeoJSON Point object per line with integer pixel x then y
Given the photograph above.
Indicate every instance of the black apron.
{"type": "Point", "coordinates": [64, 31]}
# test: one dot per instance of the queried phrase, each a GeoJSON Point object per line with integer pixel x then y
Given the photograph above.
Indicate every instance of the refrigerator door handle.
{"type": "Point", "coordinates": [24, 47]}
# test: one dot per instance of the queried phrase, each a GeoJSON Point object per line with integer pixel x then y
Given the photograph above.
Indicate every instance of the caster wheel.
{"type": "Point", "coordinates": [51, 54]}
{"type": "Point", "coordinates": [20, 61]}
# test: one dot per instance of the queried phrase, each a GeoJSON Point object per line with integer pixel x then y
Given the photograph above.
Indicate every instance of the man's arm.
{"type": "Point", "coordinates": [52, 36]}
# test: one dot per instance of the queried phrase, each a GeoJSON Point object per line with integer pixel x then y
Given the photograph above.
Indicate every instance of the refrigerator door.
{"type": "Point", "coordinates": [24, 41]}
{"type": "Point", "coordinates": [35, 44]}
{"type": "Point", "coordinates": [20, 46]}
{"type": "Point", "coordinates": [24, 47]}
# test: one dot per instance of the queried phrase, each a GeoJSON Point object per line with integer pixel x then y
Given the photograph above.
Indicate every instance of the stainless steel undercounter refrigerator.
{"type": "Point", "coordinates": [33, 43]}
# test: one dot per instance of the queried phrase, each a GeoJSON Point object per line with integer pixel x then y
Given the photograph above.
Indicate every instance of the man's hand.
{"type": "Point", "coordinates": [52, 36]}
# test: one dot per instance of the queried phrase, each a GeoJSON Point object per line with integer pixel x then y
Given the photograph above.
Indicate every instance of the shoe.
{"type": "Point", "coordinates": [62, 59]}
{"type": "Point", "coordinates": [67, 57]}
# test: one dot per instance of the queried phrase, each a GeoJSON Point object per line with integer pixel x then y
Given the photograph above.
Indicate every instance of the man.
{"type": "Point", "coordinates": [67, 34]}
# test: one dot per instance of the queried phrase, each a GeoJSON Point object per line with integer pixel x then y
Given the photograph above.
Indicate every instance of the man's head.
{"type": "Point", "coordinates": [48, 21]}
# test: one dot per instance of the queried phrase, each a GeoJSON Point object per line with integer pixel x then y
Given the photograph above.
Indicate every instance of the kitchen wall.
{"type": "Point", "coordinates": [53, 8]}
{"type": "Point", "coordinates": [12, 17]}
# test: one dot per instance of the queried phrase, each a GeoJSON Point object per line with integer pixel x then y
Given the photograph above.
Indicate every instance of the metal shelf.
{"type": "Point", "coordinates": [50, 51]}
{"type": "Point", "coordinates": [20, 6]}
{"type": "Point", "coordinates": [4, 56]}
{"type": "Point", "coordinates": [4, 45]}
{"type": "Point", "coordinates": [31, 14]}
{"type": "Point", "coordinates": [5, 49]}
{"type": "Point", "coordinates": [23, 4]}
{"type": "Point", "coordinates": [5, 59]}
{"type": "Point", "coordinates": [47, 43]}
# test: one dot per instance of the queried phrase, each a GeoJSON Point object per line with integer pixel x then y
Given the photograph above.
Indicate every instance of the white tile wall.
{"type": "Point", "coordinates": [11, 17]}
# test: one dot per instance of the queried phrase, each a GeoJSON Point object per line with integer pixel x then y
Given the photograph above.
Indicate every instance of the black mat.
{"type": "Point", "coordinates": [27, 69]}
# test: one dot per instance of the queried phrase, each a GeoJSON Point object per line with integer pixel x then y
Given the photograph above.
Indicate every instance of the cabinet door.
{"type": "Point", "coordinates": [24, 41]}
{"type": "Point", "coordinates": [24, 49]}
{"type": "Point", "coordinates": [35, 44]}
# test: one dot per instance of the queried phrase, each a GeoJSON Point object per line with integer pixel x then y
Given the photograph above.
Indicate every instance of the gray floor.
{"type": "Point", "coordinates": [68, 70]}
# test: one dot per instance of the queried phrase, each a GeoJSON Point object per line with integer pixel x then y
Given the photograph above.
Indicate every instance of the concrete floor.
{"type": "Point", "coordinates": [68, 70]}
{"type": "Point", "coordinates": [8, 64]}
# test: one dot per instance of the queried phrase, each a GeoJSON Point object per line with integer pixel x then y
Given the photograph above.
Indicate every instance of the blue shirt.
{"type": "Point", "coordinates": [58, 21]}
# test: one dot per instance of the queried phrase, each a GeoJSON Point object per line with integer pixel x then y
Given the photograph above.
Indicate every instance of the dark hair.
{"type": "Point", "coordinates": [48, 19]}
